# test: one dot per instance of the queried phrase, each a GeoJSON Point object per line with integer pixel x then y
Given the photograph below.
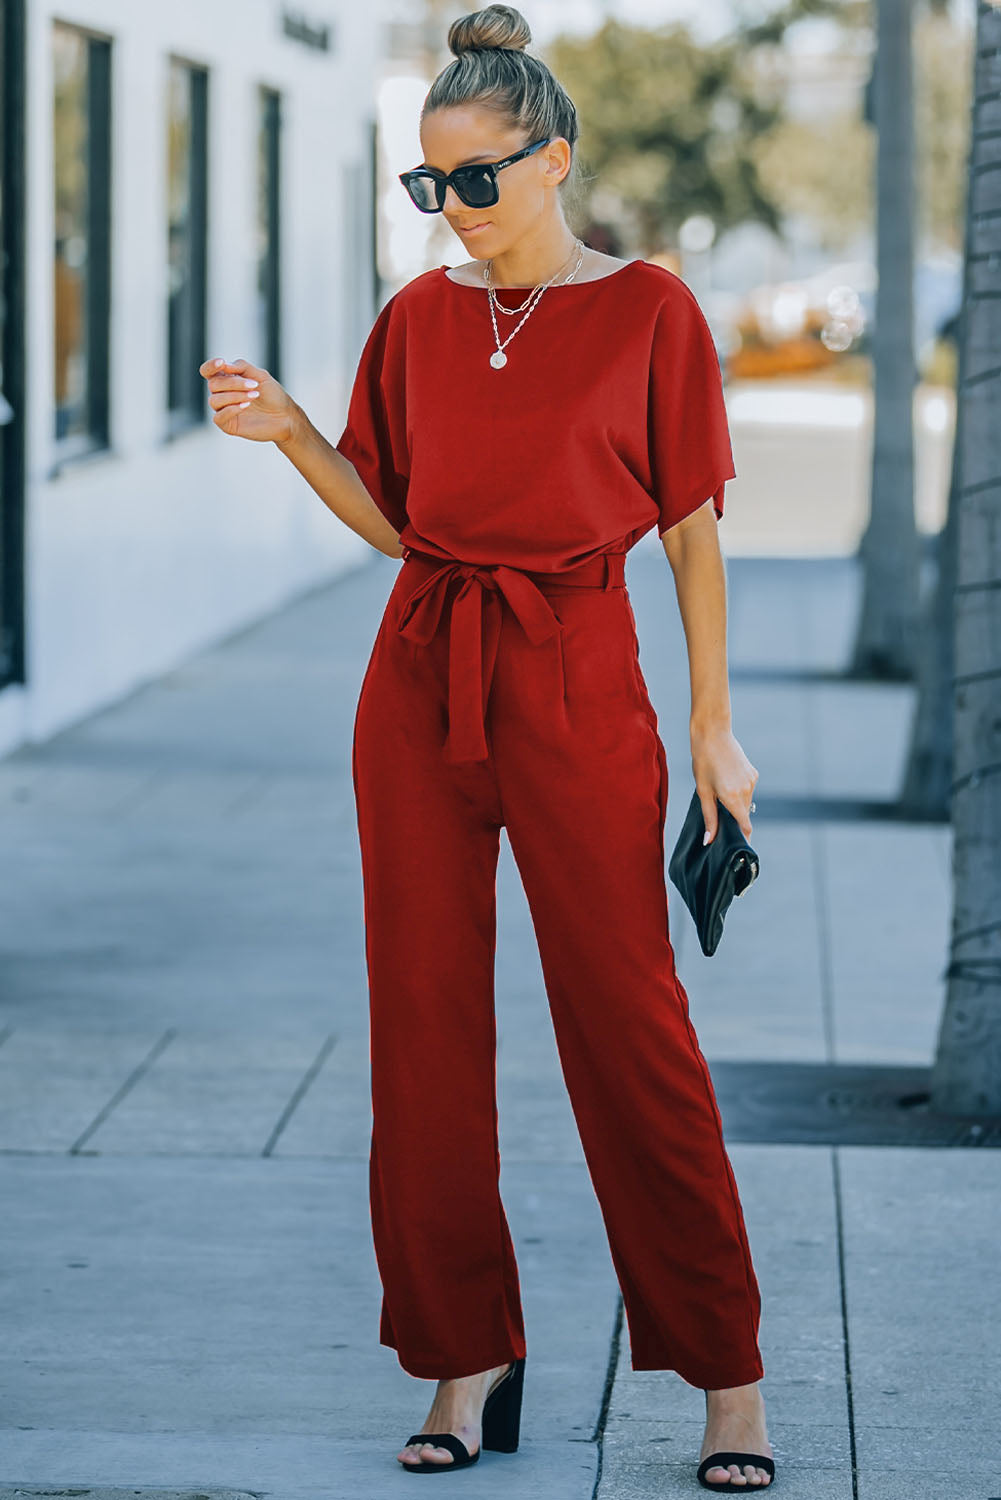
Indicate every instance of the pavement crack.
{"type": "Point", "coordinates": [127, 1086]}
{"type": "Point", "coordinates": [598, 1436]}
{"type": "Point", "coordinates": [300, 1093]}
{"type": "Point", "coordinates": [840, 1226]}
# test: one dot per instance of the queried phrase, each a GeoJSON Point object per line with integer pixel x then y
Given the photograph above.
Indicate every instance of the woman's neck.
{"type": "Point", "coordinates": [530, 265]}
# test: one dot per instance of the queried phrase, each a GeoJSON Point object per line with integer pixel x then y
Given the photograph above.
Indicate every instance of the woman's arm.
{"type": "Point", "coordinates": [721, 768]}
{"type": "Point", "coordinates": [336, 482]}
{"type": "Point", "coordinates": [248, 402]}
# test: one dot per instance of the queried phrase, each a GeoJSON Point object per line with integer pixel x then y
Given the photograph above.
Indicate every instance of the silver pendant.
{"type": "Point", "coordinates": [498, 359]}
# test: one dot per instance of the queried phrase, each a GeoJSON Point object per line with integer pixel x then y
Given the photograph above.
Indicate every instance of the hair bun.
{"type": "Point", "coordinates": [482, 30]}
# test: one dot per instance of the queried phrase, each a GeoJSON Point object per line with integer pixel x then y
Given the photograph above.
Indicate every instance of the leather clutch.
{"type": "Point", "coordinates": [710, 875]}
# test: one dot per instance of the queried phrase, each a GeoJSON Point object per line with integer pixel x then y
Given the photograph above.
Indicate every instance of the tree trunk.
{"type": "Point", "coordinates": [928, 776]}
{"type": "Point", "coordinates": [966, 1076]}
{"type": "Point", "coordinates": [888, 625]}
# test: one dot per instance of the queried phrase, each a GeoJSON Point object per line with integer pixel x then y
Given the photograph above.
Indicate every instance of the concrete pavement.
{"type": "Point", "coordinates": [189, 1296]}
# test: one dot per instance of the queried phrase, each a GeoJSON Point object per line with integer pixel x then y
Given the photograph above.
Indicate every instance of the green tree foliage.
{"type": "Point", "coordinates": [822, 172]}
{"type": "Point", "coordinates": [667, 126]}
{"type": "Point", "coordinates": [672, 127]}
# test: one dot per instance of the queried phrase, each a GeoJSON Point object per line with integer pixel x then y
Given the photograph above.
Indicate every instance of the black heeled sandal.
{"type": "Point", "coordinates": [722, 1459]}
{"type": "Point", "coordinates": [501, 1427]}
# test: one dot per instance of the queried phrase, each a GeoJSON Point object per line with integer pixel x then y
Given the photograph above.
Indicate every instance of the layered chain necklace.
{"type": "Point", "coordinates": [499, 359]}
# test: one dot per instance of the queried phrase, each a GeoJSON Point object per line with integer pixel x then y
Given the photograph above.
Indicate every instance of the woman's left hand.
{"type": "Point", "coordinates": [722, 771]}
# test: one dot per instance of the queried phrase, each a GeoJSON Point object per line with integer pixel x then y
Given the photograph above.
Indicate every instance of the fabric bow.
{"type": "Point", "coordinates": [474, 633]}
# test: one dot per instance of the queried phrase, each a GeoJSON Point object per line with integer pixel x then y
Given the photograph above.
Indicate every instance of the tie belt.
{"type": "Point", "coordinates": [474, 632]}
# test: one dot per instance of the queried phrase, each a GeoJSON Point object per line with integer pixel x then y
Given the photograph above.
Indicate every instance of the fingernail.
{"type": "Point", "coordinates": [219, 362]}
{"type": "Point", "coordinates": [248, 382]}
{"type": "Point", "coordinates": [705, 838]}
{"type": "Point", "coordinates": [242, 405]}
{"type": "Point", "coordinates": [253, 393]}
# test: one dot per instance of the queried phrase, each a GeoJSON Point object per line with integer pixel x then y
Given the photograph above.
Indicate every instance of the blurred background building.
{"type": "Point", "coordinates": [178, 180]}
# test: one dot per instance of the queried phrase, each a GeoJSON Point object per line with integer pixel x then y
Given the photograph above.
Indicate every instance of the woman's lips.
{"type": "Point", "coordinates": [472, 228]}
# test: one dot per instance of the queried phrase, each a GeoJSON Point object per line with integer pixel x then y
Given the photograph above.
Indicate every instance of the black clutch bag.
{"type": "Point", "coordinates": [710, 875]}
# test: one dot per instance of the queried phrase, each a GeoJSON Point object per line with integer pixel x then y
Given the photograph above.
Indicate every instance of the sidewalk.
{"type": "Point", "coordinates": [189, 1296]}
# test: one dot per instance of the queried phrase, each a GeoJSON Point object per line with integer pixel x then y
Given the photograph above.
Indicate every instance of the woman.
{"type": "Point", "coordinates": [511, 436]}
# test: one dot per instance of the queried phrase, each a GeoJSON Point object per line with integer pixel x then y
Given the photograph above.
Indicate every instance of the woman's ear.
{"type": "Point", "coordinates": [558, 158]}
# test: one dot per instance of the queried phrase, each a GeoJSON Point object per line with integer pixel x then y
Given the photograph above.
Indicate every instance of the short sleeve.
{"type": "Point", "coordinates": [690, 452]}
{"type": "Point", "coordinates": [374, 437]}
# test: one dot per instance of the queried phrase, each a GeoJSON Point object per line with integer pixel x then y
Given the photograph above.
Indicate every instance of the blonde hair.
{"type": "Point", "coordinates": [492, 69]}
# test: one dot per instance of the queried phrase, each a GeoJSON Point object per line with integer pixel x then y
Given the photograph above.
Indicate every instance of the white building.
{"type": "Point", "coordinates": [178, 181]}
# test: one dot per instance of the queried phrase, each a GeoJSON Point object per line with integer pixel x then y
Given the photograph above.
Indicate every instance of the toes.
{"type": "Point", "coordinates": [416, 1453]}
{"type": "Point", "coordinates": [430, 1451]}
{"type": "Point", "coordinates": [751, 1475]}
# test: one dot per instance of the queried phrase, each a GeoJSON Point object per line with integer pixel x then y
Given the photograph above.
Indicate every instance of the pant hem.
{"type": "Point", "coordinates": [707, 1380]}
{"type": "Point", "coordinates": [433, 1369]}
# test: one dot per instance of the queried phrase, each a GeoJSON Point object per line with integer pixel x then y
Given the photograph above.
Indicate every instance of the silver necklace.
{"type": "Point", "coordinates": [499, 359]}
{"type": "Point", "coordinates": [538, 287]}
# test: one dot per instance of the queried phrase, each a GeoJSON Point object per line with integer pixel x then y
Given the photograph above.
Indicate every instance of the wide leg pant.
{"type": "Point", "coordinates": [495, 697]}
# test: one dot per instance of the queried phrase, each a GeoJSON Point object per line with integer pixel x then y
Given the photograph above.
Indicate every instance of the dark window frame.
{"type": "Point", "coordinates": [13, 46]}
{"type": "Point", "coordinates": [269, 270]}
{"type": "Point", "coordinates": [186, 404]}
{"type": "Point", "coordinates": [97, 302]}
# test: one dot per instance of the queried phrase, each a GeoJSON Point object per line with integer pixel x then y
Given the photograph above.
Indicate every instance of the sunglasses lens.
{"type": "Point", "coordinates": [422, 191]}
{"type": "Point", "coordinates": [475, 186]}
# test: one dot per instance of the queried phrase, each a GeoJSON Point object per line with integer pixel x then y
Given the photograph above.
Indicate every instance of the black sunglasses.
{"type": "Point", "coordinates": [475, 184]}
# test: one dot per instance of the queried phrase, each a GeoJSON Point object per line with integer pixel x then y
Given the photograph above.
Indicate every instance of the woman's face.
{"type": "Point", "coordinates": [465, 133]}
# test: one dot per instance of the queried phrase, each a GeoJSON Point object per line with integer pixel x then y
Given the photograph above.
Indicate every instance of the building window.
{"type": "Point", "coordinates": [268, 236]}
{"type": "Point", "coordinates": [187, 221]}
{"type": "Point", "coordinates": [82, 162]}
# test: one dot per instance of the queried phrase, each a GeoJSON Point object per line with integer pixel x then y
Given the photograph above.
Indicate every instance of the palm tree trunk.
{"type": "Point", "coordinates": [888, 551]}
{"type": "Point", "coordinates": [966, 1076]}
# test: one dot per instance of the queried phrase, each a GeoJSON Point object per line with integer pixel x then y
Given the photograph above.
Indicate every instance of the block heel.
{"type": "Point", "coordinates": [502, 1411]}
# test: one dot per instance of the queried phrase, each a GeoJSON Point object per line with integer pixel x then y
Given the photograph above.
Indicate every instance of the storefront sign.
{"type": "Point", "coordinates": [314, 34]}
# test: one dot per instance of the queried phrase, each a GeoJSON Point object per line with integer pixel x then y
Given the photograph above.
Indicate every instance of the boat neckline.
{"type": "Point", "coordinates": [595, 281]}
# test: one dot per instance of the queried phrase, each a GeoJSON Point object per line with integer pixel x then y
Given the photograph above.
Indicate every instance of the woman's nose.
{"type": "Point", "coordinates": [453, 203]}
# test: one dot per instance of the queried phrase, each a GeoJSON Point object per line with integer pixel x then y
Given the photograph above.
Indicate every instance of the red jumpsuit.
{"type": "Point", "coordinates": [504, 690]}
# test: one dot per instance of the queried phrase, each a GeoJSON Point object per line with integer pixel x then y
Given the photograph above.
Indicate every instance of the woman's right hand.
{"type": "Point", "coordinates": [247, 402]}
